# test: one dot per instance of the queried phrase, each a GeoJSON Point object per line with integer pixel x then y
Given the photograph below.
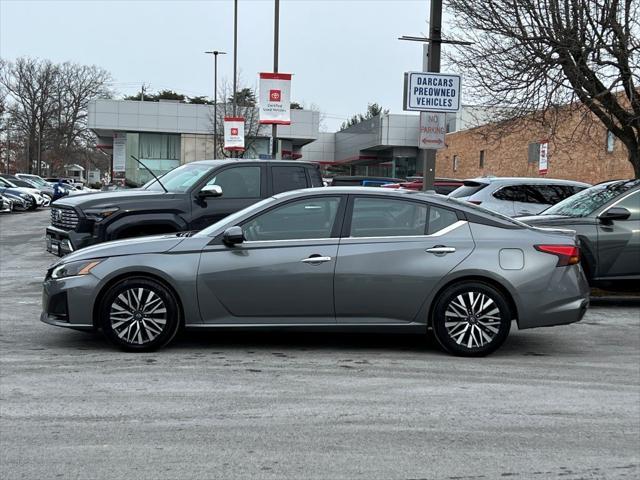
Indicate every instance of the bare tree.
{"type": "Point", "coordinates": [245, 107]}
{"type": "Point", "coordinates": [47, 105]}
{"type": "Point", "coordinates": [537, 57]}
{"type": "Point", "coordinates": [30, 83]}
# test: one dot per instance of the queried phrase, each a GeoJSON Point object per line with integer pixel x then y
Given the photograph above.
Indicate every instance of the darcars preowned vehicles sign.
{"type": "Point", "coordinates": [275, 98]}
{"type": "Point", "coordinates": [234, 133]}
{"type": "Point", "coordinates": [432, 92]}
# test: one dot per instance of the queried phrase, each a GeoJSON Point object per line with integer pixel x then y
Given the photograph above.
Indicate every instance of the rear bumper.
{"type": "Point", "coordinates": [565, 300]}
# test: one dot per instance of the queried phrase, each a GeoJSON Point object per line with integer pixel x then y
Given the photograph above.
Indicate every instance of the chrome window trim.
{"type": "Point", "coordinates": [439, 233]}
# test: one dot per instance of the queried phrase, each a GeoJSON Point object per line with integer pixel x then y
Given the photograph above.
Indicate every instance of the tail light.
{"type": "Point", "coordinates": [567, 254]}
{"type": "Point", "coordinates": [475, 202]}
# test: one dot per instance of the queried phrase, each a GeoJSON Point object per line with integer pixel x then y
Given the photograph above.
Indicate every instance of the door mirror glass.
{"type": "Point", "coordinates": [233, 236]}
{"type": "Point", "coordinates": [615, 213]}
{"type": "Point", "coordinates": [210, 191]}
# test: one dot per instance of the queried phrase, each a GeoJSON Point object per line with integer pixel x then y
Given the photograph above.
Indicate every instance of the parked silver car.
{"type": "Point", "coordinates": [517, 196]}
{"type": "Point", "coordinates": [337, 258]}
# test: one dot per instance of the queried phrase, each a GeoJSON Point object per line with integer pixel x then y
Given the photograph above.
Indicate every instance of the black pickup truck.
{"type": "Point", "coordinates": [197, 195]}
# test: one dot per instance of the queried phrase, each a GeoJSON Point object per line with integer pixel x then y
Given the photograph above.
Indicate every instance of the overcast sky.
{"type": "Point", "coordinates": [343, 54]}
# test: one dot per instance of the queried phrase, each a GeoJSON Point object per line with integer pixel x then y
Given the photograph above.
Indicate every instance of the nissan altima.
{"type": "Point", "coordinates": [338, 258]}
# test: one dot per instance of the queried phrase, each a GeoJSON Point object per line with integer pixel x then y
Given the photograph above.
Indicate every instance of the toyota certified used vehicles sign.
{"type": "Point", "coordinates": [275, 98]}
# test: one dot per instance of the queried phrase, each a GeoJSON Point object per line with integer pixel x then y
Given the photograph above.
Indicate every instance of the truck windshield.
{"type": "Point", "coordinates": [179, 180]}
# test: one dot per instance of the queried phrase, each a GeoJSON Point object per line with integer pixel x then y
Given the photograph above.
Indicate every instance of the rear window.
{"type": "Point", "coordinates": [468, 189]}
{"type": "Point", "coordinates": [288, 178]}
{"type": "Point", "coordinates": [316, 178]}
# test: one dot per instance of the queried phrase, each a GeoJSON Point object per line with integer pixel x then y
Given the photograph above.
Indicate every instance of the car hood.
{"type": "Point", "coordinates": [129, 246]}
{"type": "Point", "coordinates": [103, 198]}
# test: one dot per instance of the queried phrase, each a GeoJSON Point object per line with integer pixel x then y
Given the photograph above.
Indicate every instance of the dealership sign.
{"type": "Point", "coordinates": [234, 133]}
{"type": "Point", "coordinates": [543, 162]}
{"type": "Point", "coordinates": [433, 129]}
{"type": "Point", "coordinates": [432, 92]}
{"type": "Point", "coordinates": [119, 152]}
{"type": "Point", "coordinates": [275, 98]}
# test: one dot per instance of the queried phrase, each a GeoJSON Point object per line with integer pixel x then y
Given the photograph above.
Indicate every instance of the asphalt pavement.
{"type": "Point", "coordinates": [561, 402]}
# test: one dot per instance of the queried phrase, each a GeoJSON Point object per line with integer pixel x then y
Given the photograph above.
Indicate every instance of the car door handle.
{"type": "Point", "coordinates": [440, 250]}
{"type": "Point", "coordinates": [316, 259]}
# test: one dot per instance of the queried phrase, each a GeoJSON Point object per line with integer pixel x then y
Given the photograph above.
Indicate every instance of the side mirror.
{"type": "Point", "coordinates": [233, 236]}
{"type": "Point", "coordinates": [614, 213]}
{"type": "Point", "coordinates": [210, 191]}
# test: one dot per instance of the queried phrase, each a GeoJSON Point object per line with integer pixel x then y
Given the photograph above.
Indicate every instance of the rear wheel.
{"type": "Point", "coordinates": [139, 314]}
{"type": "Point", "coordinates": [471, 319]}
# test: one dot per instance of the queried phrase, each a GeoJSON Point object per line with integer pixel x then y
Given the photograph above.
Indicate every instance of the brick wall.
{"type": "Point", "coordinates": [577, 150]}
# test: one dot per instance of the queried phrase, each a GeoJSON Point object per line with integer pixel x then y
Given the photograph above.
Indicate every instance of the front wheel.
{"type": "Point", "coordinates": [139, 314]}
{"type": "Point", "coordinates": [471, 319]}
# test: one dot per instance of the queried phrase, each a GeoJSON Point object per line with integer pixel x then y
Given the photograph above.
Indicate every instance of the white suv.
{"type": "Point", "coordinates": [515, 196]}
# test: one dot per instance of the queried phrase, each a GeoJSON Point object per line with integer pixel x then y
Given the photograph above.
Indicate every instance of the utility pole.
{"type": "Point", "coordinates": [431, 63]}
{"type": "Point", "coordinates": [276, 35]}
{"type": "Point", "coordinates": [142, 90]}
{"type": "Point", "coordinates": [215, 54]}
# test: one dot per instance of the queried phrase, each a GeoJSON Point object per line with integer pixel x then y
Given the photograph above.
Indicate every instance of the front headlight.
{"type": "Point", "coordinates": [73, 269]}
{"type": "Point", "coordinates": [99, 214]}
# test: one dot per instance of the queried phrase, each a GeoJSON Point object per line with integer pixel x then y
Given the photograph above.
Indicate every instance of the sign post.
{"type": "Point", "coordinates": [234, 134]}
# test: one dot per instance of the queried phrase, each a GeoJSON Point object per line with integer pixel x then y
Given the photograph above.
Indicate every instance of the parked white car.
{"type": "Point", "coordinates": [513, 196]}
{"type": "Point", "coordinates": [41, 200]}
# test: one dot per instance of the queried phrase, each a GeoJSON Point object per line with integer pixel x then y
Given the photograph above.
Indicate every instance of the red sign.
{"type": "Point", "coordinates": [274, 95]}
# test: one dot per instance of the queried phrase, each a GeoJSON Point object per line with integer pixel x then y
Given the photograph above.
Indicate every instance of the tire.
{"type": "Point", "coordinates": [132, 313]}
{"type": "Point", "coordinates": [465, 321]}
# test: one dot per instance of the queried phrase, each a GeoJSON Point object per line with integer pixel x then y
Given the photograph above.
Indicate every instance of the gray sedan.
{"type": "Point", "coordinates": [336, 258]}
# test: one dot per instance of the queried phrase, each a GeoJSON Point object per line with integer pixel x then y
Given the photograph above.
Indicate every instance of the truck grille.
{"type": "Point", "coordinates": [65, 218]}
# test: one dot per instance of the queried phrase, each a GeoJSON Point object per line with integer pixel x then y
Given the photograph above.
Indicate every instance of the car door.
{"type": "Point", "coordinates": [282, 273]}
{"type": "Point", "coordinates": [619, 241]}
{"type": "Point", "coordinates": [392, 254]}
{"type": "Point", "coordinates": [288, 177]}
{"type": "Point", "coordinates": [242, 185]}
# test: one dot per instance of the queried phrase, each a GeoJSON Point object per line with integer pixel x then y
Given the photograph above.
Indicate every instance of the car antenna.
{"type": "Point", "coordinates": [149, 170]}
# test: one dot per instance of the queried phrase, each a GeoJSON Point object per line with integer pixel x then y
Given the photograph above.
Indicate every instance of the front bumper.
{"type": "Point", "coordinates": [62, 242]}
{"type": "Point", "coordinates": [68, 302]}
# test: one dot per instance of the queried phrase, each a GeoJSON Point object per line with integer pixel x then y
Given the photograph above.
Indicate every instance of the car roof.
{"type": "Point", "coordinates": [230, 161]}
{"type": "Point", "coordinates": [519, 180]}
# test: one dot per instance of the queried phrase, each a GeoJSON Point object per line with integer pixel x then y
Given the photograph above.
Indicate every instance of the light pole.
{"type": "Point", "coordinates": [215, 54]}
{"type": "Point", "coordinates": [276, 35]}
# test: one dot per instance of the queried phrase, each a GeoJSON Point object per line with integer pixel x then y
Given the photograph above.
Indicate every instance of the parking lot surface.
{"type": "Point", "coordinates": [561, 402]}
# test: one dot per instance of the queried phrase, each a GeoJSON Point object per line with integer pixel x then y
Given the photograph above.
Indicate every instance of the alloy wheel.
{"type": "Point", "coordinates": [472, 319]}
{"type": "Point", "coordinates": [138, 315]}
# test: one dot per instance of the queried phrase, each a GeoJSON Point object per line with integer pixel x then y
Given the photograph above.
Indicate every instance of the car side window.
{"type": "Point", "coordinates": [384, 217]}
{"type": "Point", "coordinates": [302, 219]}
{"type": "Point", "coordinates": [440, 218]}
{"type": "Point", "coordinates": [238, 182]}
{"type": "Point", "coordinates": [514, 193]}
{"type": "Point", "coordinates": [288, 178]}
{"type": "Point", "coordinates": [316, 178]}
{"type": "Point", "coordinates": [632, 203]}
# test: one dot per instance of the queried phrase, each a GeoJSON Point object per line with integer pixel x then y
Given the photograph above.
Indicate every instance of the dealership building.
{"type": "Point", "coordinates": [166, 134]}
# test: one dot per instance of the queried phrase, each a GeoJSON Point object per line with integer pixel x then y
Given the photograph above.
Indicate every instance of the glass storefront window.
{"type": "Point", "coordinates": [159, 152]}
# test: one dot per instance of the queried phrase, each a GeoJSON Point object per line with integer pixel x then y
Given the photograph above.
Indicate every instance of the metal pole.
{"type": "Point", "coordinates": [215, 104]}
{"type": "Point", "coordinates": [432, 64]}
{"type": "Point", "coordinates": [8, 150]}
{"type": "Point", "coordinates": [276, 35]}
{"type": "Point", "coordinates": [235, 58]}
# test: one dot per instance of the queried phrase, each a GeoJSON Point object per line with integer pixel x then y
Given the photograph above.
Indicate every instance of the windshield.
{"type": "Point", "coordinates": [180, 179]}
{"type": "Point", "coordinates": [6, 183]}
{"type": "Point", "coordinates": [232, 218]}
{"type": "Point", "coordinates": [588, 201]}
{"type": "Point", "coordinates": [34, 179]}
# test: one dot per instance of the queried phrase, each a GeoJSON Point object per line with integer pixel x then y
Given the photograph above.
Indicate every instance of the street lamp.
{"type": "Point", "coordinates": [215, 54]}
